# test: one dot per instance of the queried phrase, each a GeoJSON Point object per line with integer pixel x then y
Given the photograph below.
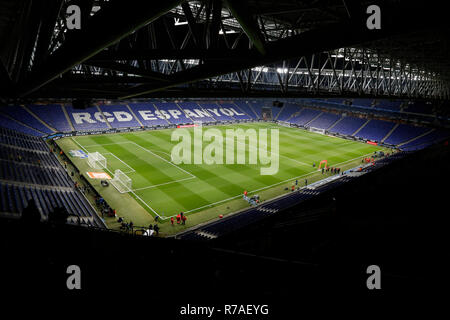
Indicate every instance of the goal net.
{"type": "Point", "coordinates": [96, 160]}
{"type": "Point", "coordinates": [121, 181]}
{"type": "Point", "coordinates": [317, 130]}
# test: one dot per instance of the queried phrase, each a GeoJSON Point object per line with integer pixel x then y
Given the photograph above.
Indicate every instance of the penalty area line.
{"type": "Point", "coordinates": [131, 191]}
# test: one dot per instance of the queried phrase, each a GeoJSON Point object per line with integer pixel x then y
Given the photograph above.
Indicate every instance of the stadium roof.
{"type": "Point", "coordinates": [134, 48]}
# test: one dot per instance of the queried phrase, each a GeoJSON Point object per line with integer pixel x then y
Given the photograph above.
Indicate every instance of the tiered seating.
{"type": "Point", "coordinates": [389, 105]}
{"type": "Point", "coordinates": [27, 156]}
{"type": "Point", "coordinates": [348, 125]}
{"type": "Point", "coordinates": [195, 112]}
{"type": "Point", "coordinates": [375, 130]}
{"type": "Point", "coordinates": [238, 114]}
{"type": "Point", "coordinates": [217, 111]}
{"type": "Point", "coordinates": [363, 103]}
{"type": "Point", "coordinates": [258, 105]}
{"type": "Point", "coordinates": [148, 115]}
{"type": "Point", "coordinates": [14, 138]}
{"type": "Point", "coordinates": [237, 221]}
{"type": "Point", "coordinates": [87, 119]}
{"type": "Point", "coordinates": [426, 140]}
{"type": "Point", "coordinates": [336, 100]}
{"type": "Point", "coordinates": [246, 109]}
{"type": "Point", "coordinates": [405, 132]}
{"type": "Point", "coordinates": [325, 120]}
{"type": "Point", "coordinates": [13, 125]}
{"type": "Point", "coordinates": [33, 174]}
{"type": "Point", "coordinates": [28, 170]}
{"type": "Point", "coordinates": [174, 114]}
{"type": "Point", "coordinates": [288, 111]}
{"type": "Point", "coordinates": [53, 115]}
{"type": "Point", "coordinates": [419, 107]}
{"type": "Point", "coordinates": [121, 116]}
{"type": "Point", "coordinates": [15, 199]}
{"type": "Point", "coordinates": [19, 113]}
{"type": "Point", "coordinates": [305, 116]}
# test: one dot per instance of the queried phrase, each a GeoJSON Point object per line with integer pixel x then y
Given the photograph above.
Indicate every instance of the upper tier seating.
{"type": "Point", "coordinates": [389, 105]}
{"type": "Point", "coordinates": [119, 116]}
{"type": "Point", "coordinates": [375, 130]}
{"type": "Point", "coordinates": [172, 112]}
{"type": "Point", "coordinates": [426, 140]}
{"type": "Point", "coordinates": [419, 107]}
{"type": "Point", "coordinates": [19, 113]}
{"type": "Point", "coordinates": [53, 115]}
{"type": "Point", "coordinates": [288, 111]}
{"type": "Point", "coordinates": [348, 125]}
{"type": "Point", "coordinates": [305, 116]}
{"type": "Point", "coordinates": [246, 109]}
{"type": "Point", "coordinates": [87, 119]}
{"type": "Point", "coordinates": [405, 132]}
{"type": "Point", "coordinates": [148, 115]}
{"type": "Point", "coordinates": [236, 112]}
{"type": "Point", "coordinates": [362, 103]}
{"type": "Point", "coordinates": [325, 120]}
{"type": "Point", "coordinates": [194, 111]}
{"type": "Point", "coordinates": [218, 112]}
{"type": "Point", "coordinates": [6, 122]}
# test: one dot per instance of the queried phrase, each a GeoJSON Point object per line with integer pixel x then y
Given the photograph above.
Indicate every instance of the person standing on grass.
{"type": "Point", "coordinates": [178, 218]}
{"type": "Point", "coordinates": [292, 188]}
{"type": "Point", "coordinates": [171, 220]}
{"type": "Point", "coordinates": [306, 182]}
{"type": "Point", "coordinates": [156, 228]}
{"type": "Point", "coordinates": [184, 219]}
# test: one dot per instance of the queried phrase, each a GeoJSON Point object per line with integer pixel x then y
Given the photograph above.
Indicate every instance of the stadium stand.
{"type": "Point", "coordinates": [389, 105]}
{"type": "Point", "coordinates": [305, 116]}
{"type": "Point", "coordinates": [418, 107]}
{"type": "Point", "coordinates": [426, 140]}
{"type": "Point", "coordinates": [173, 113]}
{"type": "Point", "coordinates": [53, 115]}
{"type": "Point", "coordinates": [375, 130]}
{"type": "Point", "coordinates": [87, 119]}
{"type": "Point", "coordinates": [217, 112]}
{"type": "Point", "coordinates": [363, 103]}
{"type": "Point", "coordinates": [335, 100]}
{"type": "Point", "coordinates": [246, 109]}
{"type": "Point", "coordinates": [287, 111]}
{"type": "Point", "coordinates": [237, 113]}
{"type": "Point", "coordinates": [28, 170]}
{"type": "Point", "coordinates": [348, 125]}
{"type": "Point", "coordinates": [324, 121]}
{"type": "Point", "coordinates": [195, 112]}
{"type": "Point", "coordinates": [405, 132]}
{"type": "Point", "coordinates": [147, 114]}
{"type": "Point", "coordinates": [18, 112]}
{"type": "Point", "coordinates": [14, 125]}
{"type": "Point", "coordinates": [122, 118]}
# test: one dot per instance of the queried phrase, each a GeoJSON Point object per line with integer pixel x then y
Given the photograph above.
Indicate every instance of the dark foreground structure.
{"type": "Point", "coordinates": [325, 66]}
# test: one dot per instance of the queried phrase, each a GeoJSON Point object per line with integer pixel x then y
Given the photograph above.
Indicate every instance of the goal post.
{"type": "Point", "coordinates": [121, 181]}
{"type": "Point", "coordinates": [96, 160]}
{"type": "Point", "coordinates": [317, 130]}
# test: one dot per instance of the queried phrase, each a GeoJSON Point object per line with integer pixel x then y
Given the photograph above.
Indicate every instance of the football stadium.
{"type": "Point", "coordinates": [223, 141]}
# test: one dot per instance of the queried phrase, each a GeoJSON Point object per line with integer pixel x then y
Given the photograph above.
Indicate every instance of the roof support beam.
{"type": "Point", "coordinates": [306, 43]}
{"type": "Point", "coordinates": [129, 69]}
{"type": "Point", "coordinates": [116, 20]}
{"type": "Point", "coordinates": [250, 26]}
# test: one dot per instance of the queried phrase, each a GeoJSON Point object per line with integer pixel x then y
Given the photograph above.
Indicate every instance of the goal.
{"type": "Point", "coordinates": [121, 181]}
{"type": "Point", "coordinates": [96, 160]}
{"type": "Point", "coordinates": [317, 130]}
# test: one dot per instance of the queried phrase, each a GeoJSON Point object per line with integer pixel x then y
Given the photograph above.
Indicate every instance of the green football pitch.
{"type": "Point", "coordinates": [163, 188]}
